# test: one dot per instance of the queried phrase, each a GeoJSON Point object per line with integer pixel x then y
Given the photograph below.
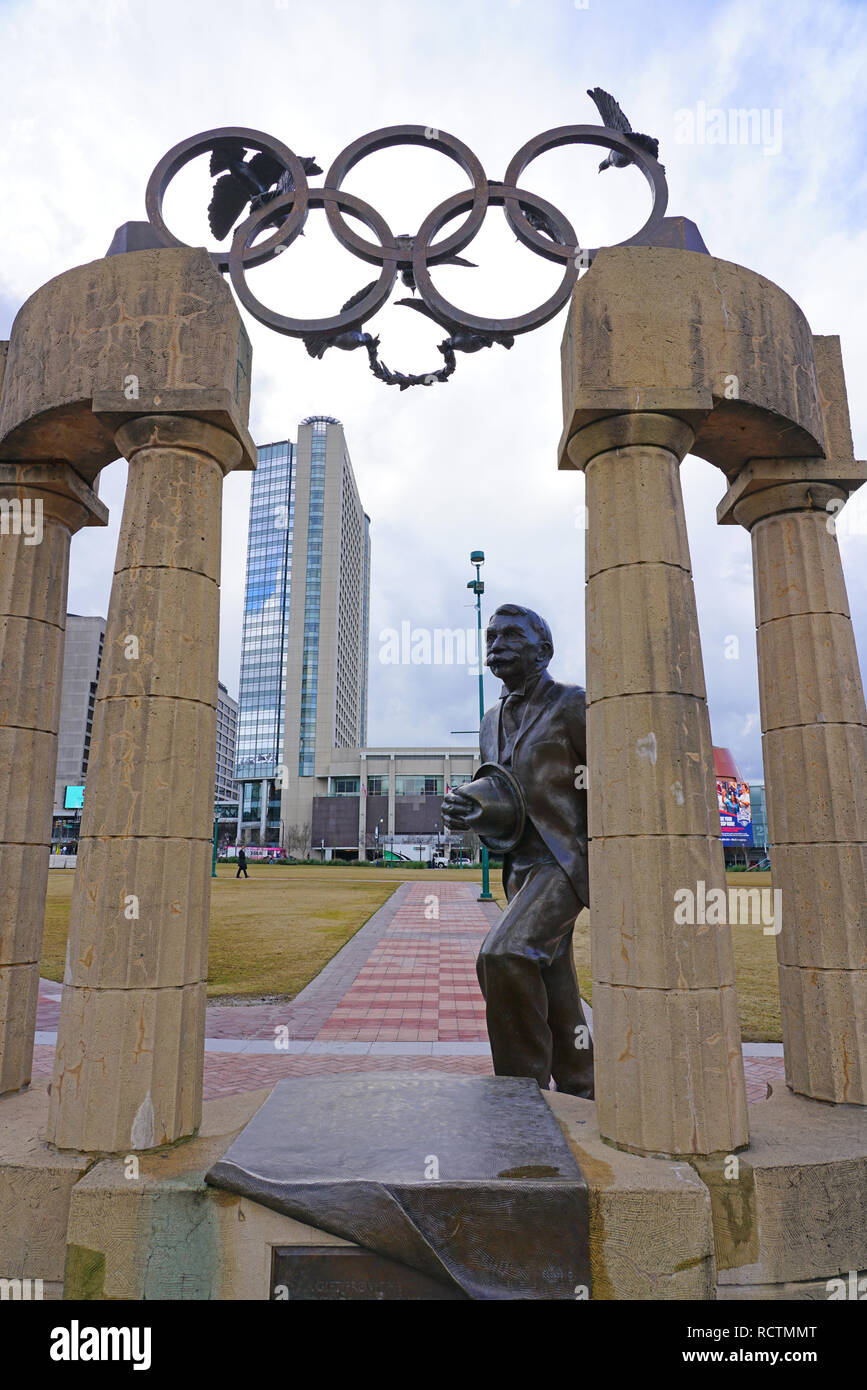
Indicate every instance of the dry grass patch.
{"type": "Point", "coordinates": [270, 934]}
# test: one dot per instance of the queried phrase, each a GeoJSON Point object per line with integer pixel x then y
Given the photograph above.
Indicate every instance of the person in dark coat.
{"type": "Point", "coordinates": [537, 732]}
{"type": "Point", "coordinates": [242, 865]}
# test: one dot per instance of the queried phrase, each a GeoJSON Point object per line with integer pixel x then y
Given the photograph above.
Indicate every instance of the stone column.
{"type": "Point", "coordinates": [128, 1071]}
{"type": "Point", "coordinates": [669, 1068]}
{"type": "Point", "coordinates": [814, 728]}
{"type": "Point", "coordinates": [41, 506]}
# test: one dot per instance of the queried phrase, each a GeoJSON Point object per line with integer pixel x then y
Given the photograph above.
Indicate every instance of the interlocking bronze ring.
{"type": "Point", "coordinates": [537, 224]}
{"type": "Point", "coordinates": [407, 135]}
{"type": "Point", "coordinates": [239, 260]}
{"type": "Point", "coordinates": [584, 135]}
{"type": "Point", "coordinates": [188, 150]}
{"type": "Point", "coordinates": [567, 251]}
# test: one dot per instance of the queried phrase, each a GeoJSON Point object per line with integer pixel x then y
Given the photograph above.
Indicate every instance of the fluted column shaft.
{"type": "Point", "coordinates": [42, 506]}
{"type": "Point", "coordinates": [669, 1069]}
{"type": "Point", "coordinates": [130, 1051]}
{"type": "Point", "coordinates": [814, 728]}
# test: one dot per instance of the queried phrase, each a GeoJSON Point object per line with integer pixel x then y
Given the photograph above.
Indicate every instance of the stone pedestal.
{"type": "Point", "coordinates": [814, 727]}
{"type": "Point", "coordinates": [131, 1037]}
{"type": "Point", "coordinates": [41, 506]}
{"type": "Point", "coordinates": [669, 1071]}
{"type": "Point", "coordinates": [787, 1225]}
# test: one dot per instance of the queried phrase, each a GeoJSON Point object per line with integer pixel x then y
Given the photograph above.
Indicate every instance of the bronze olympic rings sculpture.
{"type": "Point", "coordinates": [274, 182]}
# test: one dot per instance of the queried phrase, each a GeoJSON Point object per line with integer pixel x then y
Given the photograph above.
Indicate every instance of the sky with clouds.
{"type": "Point", "coordinates": [95, 93]}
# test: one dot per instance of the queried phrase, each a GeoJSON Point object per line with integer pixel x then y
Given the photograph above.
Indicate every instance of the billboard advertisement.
{"type": "Point", "coordinates": [733, 797]}
{"type": "Point", "coordinates": [73, 799]}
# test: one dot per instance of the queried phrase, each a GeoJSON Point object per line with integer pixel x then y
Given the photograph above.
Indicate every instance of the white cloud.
{"type": "Point", "coordinates": [94, 95]}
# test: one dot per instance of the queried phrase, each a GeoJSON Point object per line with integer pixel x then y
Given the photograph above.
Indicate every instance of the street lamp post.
{"type": "Point", "coordinates": [477, 558]}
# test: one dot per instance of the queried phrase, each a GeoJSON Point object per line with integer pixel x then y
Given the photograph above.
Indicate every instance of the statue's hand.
{"type": "Point", "coordinates": [457, 809]}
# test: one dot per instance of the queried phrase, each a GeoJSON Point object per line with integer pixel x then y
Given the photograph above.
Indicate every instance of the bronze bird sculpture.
{"type": "Point", "coordinates": [405, 243]}
{"type": "Point", "coordinates": [256, 181]}
{"type": "Point", "coordinates": [460, 339]}
{"type": "Point", "coordinates": [614, 119]}
{"type": "Point", "coordinates": [348, 338]}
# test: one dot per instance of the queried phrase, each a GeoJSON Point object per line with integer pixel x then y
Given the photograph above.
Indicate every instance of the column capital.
{"type": "Point", "coordinates": [769, 486]}
{"type": "Point", "coordinates": [172, 320]}
{"type": "Point", "coordinates": [179, 432]}
{"type": "Point", "coordinates": [644, 428]}
{"type": "Point", "coordinates": [64, 495]}
{"type": "Point", "coordinates": [214, 406]}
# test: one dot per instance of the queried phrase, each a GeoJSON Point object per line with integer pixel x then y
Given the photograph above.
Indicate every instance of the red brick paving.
{"type": "Point", "coordinates": [418, 983]}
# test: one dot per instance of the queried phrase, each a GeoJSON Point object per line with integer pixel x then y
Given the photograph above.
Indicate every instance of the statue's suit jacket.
{"type": "Point", "coordinates": [549, 755]}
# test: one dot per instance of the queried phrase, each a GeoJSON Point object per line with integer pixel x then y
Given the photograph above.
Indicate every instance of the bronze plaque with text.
{"type": "Point", "coordinates": [335, 1274]}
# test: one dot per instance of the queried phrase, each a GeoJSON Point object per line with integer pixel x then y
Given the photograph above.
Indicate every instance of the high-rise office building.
{"type": "Point", "coordinates": [266, 614]}
{"type": "Point", "coordinates": [303, 689]}
{"type": "Point", "coordinates": [261, 697]}
{"type": "Point", "coordinates": [227, 733]}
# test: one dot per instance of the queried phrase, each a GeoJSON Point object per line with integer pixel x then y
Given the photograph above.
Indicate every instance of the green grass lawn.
{"type": "Point", "coordinates": [273, 933]}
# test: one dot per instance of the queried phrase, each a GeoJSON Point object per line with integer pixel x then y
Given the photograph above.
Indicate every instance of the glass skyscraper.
{"type": "Point", "coordinates": [312, 598]}
{"type": "Point", "coordinates": [266, 613]}
{"type": "Point", "coordinates": [264, 644]}
{"type": "Point", "coordinates": [303, 684]}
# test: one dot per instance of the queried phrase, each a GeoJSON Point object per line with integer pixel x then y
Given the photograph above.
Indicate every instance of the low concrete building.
{"type": "Point", "coordinates": [367, 802]}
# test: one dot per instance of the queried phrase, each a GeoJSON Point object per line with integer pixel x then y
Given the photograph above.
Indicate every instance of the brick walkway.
{"type": "Point", "coordinates": [402, 993]}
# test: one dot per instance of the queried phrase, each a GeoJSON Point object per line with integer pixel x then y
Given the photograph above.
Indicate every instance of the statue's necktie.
{"type": "Point", "coordinates": [513, 709]}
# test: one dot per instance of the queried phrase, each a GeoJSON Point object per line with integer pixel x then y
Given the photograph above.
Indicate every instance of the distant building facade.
{"type": "Point", "coordinates": [373, 802]}
{"type": "Point", "coordinates": [82, 659]}
{"type": "Point", "coordinates": [227, 735]}
{"type": "Point", "coordinates": [760, 816]}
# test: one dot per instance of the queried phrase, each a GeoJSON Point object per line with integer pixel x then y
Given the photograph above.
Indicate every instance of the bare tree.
{"type": "Point", "coordinates": [298, 839]}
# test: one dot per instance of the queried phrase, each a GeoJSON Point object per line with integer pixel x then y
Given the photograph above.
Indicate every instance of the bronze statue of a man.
{"type": "Point", "coordinates": [528, 801]}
